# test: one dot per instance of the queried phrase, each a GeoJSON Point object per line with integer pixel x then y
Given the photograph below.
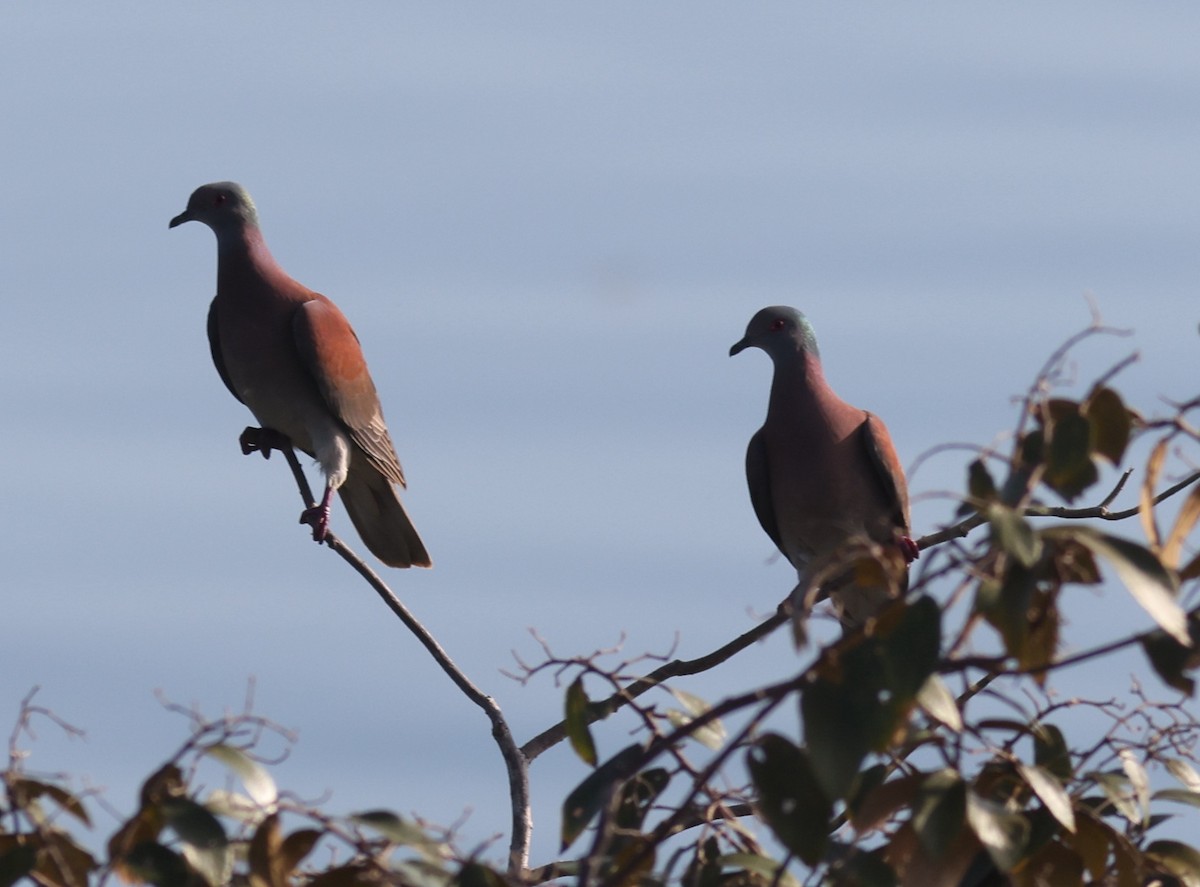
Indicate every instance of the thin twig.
{"type": "Point", "coordinates": [994, 665]}
{"type": "Point", "coordinates": [1096, 512]}
{"type": "Point", "coordinates": [514, 761]}
{"type": "Point", "coordinates": [770, 697]}
{"type": "Point", "coordinates": [601, 709]}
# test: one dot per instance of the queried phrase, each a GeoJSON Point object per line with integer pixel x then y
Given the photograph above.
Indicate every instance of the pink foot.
{"type": "Point", "coordinates": [262, 440]}
{"type": "Point", "coordinates": [908, 548]}
{"type": "Point", "coordinates": [318, 517]}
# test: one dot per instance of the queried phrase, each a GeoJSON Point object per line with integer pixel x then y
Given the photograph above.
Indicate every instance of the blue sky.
{"type": "Point", "coordinates": [548, 222]}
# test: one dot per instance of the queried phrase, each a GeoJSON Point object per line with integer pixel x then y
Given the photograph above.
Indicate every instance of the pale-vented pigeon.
{"type": "Point", "coordinates": [290, 355]}
{"type": "Point", "coordinates": [821, 472]}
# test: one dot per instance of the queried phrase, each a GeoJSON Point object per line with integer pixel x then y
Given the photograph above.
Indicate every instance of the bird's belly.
{"type": "Point", "coordinates": [290, 413]}
{"type": "Point", "coordinates": [818, 513]}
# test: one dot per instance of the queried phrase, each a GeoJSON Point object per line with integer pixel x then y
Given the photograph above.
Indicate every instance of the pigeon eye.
{"type": "Point", "coordinates": [219, 199]}
{"type": "Point", "coordinates": [777, 324]}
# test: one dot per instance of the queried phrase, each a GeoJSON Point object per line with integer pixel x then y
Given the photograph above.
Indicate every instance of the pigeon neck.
{"type": "Point", "coordinates": [798, 381]}
{"type": "Point", "coordinates": [243, 252]}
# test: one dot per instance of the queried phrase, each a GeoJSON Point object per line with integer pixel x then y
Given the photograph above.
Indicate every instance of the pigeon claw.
{"type": "Point", "coordinates": [908, 548]}
{"type": "Point", "coordinates": [262, 440]}
{"type": "Point", "coordinates": [317, 517]}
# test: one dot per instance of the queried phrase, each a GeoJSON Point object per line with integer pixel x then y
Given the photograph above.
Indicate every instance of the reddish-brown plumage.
{"type": "Point", "coordinates": [821, 472]}
{"type": "Point", "coordinates": [291, 356]}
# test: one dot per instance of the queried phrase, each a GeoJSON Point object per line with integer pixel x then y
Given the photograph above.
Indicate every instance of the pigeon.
{"type": "Point", "coordinates": [822, 473]}
{"type": "Point", "coordinates": [291, 356]}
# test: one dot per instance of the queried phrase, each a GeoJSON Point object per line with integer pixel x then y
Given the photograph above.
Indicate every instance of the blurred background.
{"type": "Point", "coordinates": [547, 222]}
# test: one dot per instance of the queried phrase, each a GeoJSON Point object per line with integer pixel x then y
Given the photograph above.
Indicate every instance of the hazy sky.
{"type": "Point", "coordinates": [548, 222]}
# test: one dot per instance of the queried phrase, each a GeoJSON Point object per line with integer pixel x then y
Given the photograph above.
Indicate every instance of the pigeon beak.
{"type": "Point", "coordinates": [180, 219]}
{"type": "Point", "coordinates": [739, 346]}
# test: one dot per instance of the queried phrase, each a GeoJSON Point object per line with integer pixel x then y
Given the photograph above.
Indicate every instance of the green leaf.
{"type": "Point", "coordinates": [1073, 563]}
{"type": "Point", "coordinates": [194, 824]}
{"type": "Point", "coordinates": [576, 723]}
{"type": "Point", "coordinates": [1069, 466]}
{"type": "Point", "coordinates": [771, 869]}
{"type": "Point", "coordinates": [1151, 584]}
{"type": "Point", "coordinates": [204, 843]}
{"type": "Point", "coordinates": [939, 811]}
{"type": "Point", "coordinates": [353, 874]}
{"type": "Point", "coordinates": [704, 869]}
{"type": "Point", "coordinates": [263, 857]}
{"type": "Point", "coordinates": [1185, 522]}
{"type": "Point", "coordinates": [1091, 842]}
{"type": "Point", "coordinates": [910, 651]}
{"type": "Point", "coordinates": [1041, 643]}
{"type": "Point", "coordinates": [1139, 780]}
{"type": "Point", "coordinates": [939, 703]}
{"type": "Point", "coordinates": [1051, 793]}
{"type": "Point", "coordinates": [636, 796]}
{"type": "Point", "coordinates": [16, 863]}
{"type": "Point", "coordinates": [1170, 660]}
{"type": "Point", "coordinates": [789, 796]}
{"type": "Point", "coordinates": [1014, 534]}
{"type": "Point", "coordinates": [396, 829]}
{"type": "Point", "coordinates": [980, 486]}
{"type": "Point", "coordinates": [712, 734]}
{"type": "Point", "coordinates": [1030, 454]}
{"type": "Point", "coordinates": [1006, 606]}
{"type": "Point", "coordinates": [155, 864]}
{"type": "Point", "coordinates": [26, 790]}
{"type": "Point", "coordinates": [863, 693]}
{"type": "Point", "coordinates": [1177, 858]}
{"type": "Point", "coordinates": [1051, 752]}
{"type": "Point", "coordinates": [1003, 834]}
{"type": "Point", "coordinates": [1179, 795]}
{"type": "Point", "coordinates": [694, 705]}
{"type": "Point", "coordinates": [255, 779]}
{"type": "Point", "coordinates": [1185, 773]}
{"type": "Point", "coordinates": [873, 805]}
{"type": "Point", "coordinates": [1119, 791]}
{"type": "Point", "coordinates": [476, 874]}
{"type": "Point", "coordinates": [297, 846]}
{"type": "Point", "coordinates": [587, 798]}
{"type": "Point", "coordinates": [165, 782]}
{"type": "Point", "coordinates": [842, 720]}
{"type": "Point", "coordinates": [1111, 424]}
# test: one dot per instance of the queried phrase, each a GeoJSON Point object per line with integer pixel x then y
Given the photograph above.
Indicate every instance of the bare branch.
{"type": "Point", "coordinates": [601, 709]}
{"type": "Point", "coordinates": [1094, 512]}
{"type": "Point", "coordinates": [515, 762]}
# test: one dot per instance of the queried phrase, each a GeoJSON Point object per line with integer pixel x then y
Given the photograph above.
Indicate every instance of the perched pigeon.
{"type": "Point", "coordinates": [821, 472]}
{"type": "Point", "coordinates": [290, 355]}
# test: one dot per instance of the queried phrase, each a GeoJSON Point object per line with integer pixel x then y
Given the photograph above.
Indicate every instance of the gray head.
{"type": "Point", "coordinates": [225, 207]}
{"type": "Point", "coordinates": [779, 331]}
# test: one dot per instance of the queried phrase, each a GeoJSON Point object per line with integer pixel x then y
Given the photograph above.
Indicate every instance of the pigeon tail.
{"type": "Point", "coordinates": [381, 521]}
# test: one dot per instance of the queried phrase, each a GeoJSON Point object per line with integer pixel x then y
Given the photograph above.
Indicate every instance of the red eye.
{"type": "Point", "coordinates": [777, 324]}
{"type": "Point", "coordinates": [218, 200]}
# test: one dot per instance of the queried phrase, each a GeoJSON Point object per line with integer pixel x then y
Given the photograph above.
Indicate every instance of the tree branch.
{"type": "Point", "coordinates": [1096, 512]}
{"type": "Point", "coordinates": [514, 761]}
{"type": "Point", "coordinates": [601, 709]}
{"type": "Point", "coordinates": [994, 665]}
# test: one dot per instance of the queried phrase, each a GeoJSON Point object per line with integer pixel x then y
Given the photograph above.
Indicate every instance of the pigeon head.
{"type": "Point", "coordinates": [780, 331]}
{"type": "Point", "coordinates": [225, 207]}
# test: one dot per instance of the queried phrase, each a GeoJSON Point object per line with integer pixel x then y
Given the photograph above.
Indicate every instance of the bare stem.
{"type": "Point", "coordinates": [515, 762]}
{"type": "Point", "coordinates": [1096, 512]}
{"type": "Point", "coordinates": [601, 709]}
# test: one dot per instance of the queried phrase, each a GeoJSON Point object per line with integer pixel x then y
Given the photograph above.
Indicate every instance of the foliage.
{"type": "Point", "coordinates": [185, 835]}
{"type": "Point", "coordinates": [926, 747]}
